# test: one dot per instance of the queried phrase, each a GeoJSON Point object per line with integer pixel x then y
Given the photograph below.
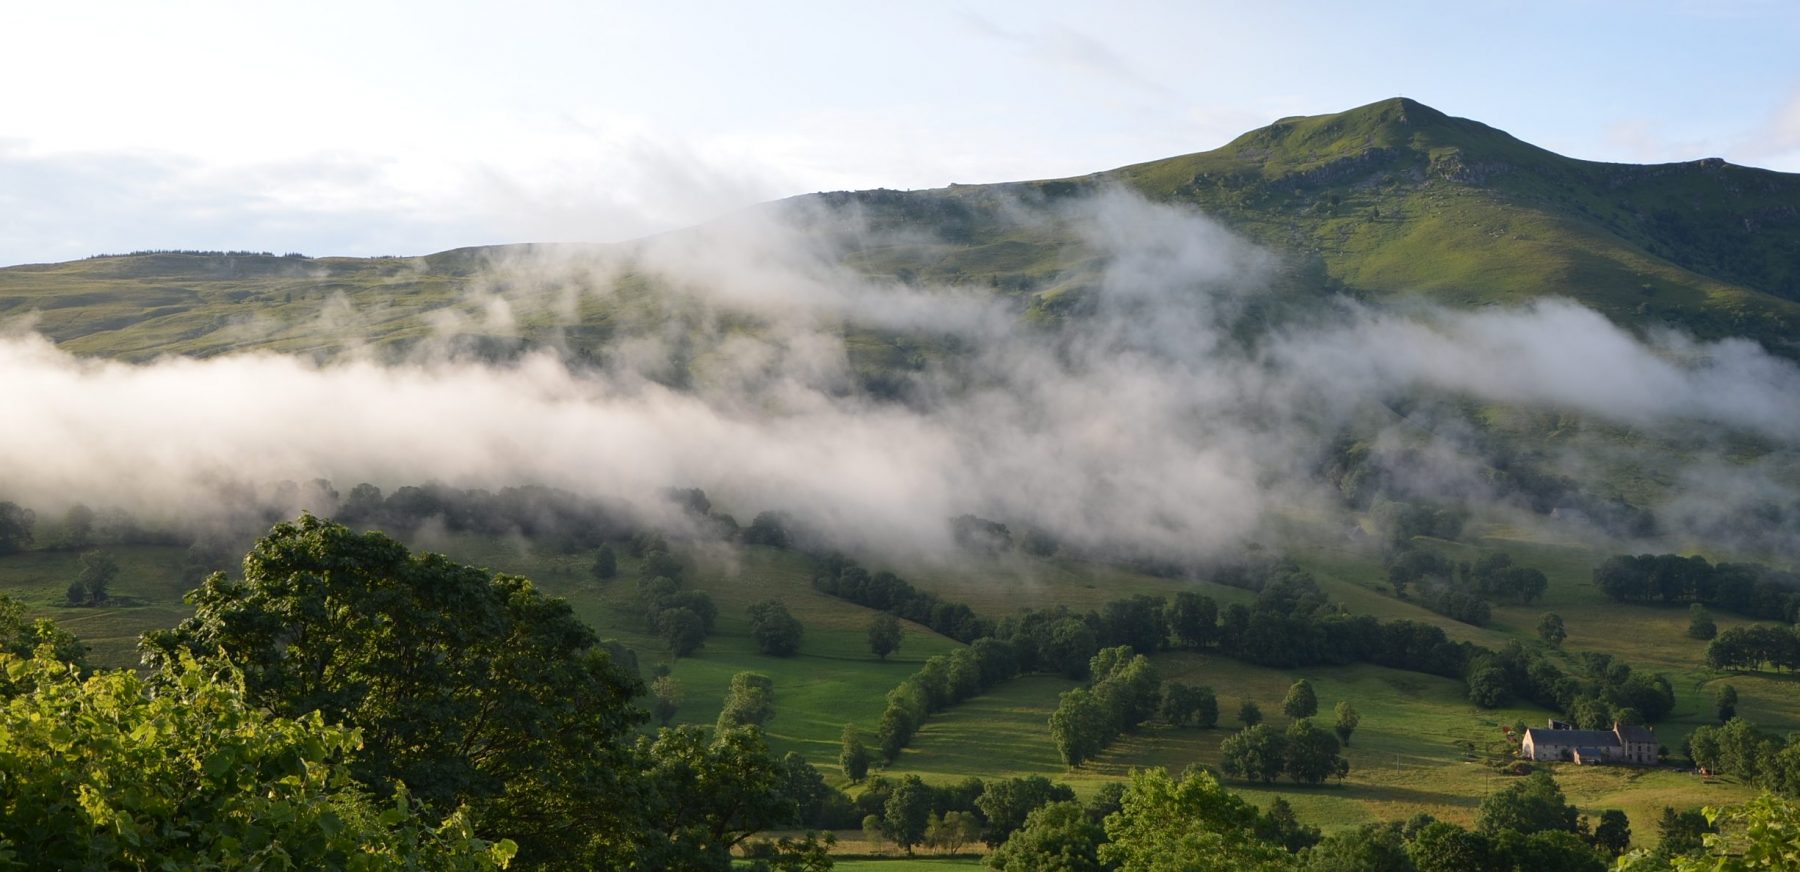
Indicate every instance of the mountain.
{"type": "Point", "coordinates": [1387, 202]}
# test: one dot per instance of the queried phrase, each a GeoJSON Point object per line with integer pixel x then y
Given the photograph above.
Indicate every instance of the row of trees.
{"type": "Point", "coordinates": [1125, 692]}
{"type": "Point", "coordinates": [682, 618]}
{"type": "Point", "coordinates": [1750, 648]}
{"type": "Point", "coordinates": [1158, 822]}
{"type": "Point", "coordinates": [1462, 591]}
{"type": "Point", "coordinates": [941, 682]}
{"type": "Point", "coordinates": [1601, 691]}
{"type": "Point", "coordinates": [1748, 589]}
{"type": "Point", "coordinates": [839, 576]}
{"type": "Point", "coordinates": [1305, 752]}
{"type": "Point", "coordinates": [1739, 749]}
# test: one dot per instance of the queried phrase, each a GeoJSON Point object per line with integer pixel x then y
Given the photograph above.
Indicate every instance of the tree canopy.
{"type": "Point", "coordinates": [468, 687]}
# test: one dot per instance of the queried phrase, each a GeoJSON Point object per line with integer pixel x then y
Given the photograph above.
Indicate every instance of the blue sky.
{"type": "Point", "coordinates": [391, 128]}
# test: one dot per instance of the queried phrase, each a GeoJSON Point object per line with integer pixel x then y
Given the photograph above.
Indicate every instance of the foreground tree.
{"type": "Point", "coordinates": [1059, 837]}
{"type": "Point", "coordinates": [884, 634]}
{"type": "Point", "coordinates": [468, 687]}
{"type": "Point", "coordinates": [704, 796]}
{"type": "Point", "coordinates": [1007, 803]}
{"type": "Point", "coordinates": [105, 773]}
{"type": "Point", "coordinates": [1530, 806]}
{"type": "Point", "coordinates": [1192, 825]}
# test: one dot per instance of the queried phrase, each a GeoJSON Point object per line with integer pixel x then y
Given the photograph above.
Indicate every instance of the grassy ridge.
{"type": "Point", "coordinates": [1389, 201]}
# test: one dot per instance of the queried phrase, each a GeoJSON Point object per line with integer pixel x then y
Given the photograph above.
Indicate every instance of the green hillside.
{"type": "Point", "coordinates": [1389, 201]}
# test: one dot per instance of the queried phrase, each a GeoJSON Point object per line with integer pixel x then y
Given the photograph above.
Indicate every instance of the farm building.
{"type": "Point", "coordinates": [1621, 744]}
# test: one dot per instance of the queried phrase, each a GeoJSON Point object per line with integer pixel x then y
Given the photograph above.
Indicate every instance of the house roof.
{"type": "Point", "coordinates": [1573, 738]}
{"type": "Point", "coordinates": [1637, 734]}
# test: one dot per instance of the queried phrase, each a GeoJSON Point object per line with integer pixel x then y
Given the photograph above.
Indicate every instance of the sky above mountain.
{"type": "Point", "coordinates": [391, 128]}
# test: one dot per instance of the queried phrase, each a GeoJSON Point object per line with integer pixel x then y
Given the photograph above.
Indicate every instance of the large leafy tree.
{"type": "Point", "coordinates": [1059, 837]}
{"type": "Point", "coordinates": [1190, 825]}
{"type": "Point", "coordinates": [1255, 753]}
{"type": "Point", "coordinates": [775, 630]}
{"type": "Point", "coordinates": [1530, 806]}
{"type": "Point", "coordinates": [109, 773]}
{"type": "Point", "coordinates": [1312, 753]}
{"type": "Point", "coordinates": [1007, 803]}
{"type": "Point", "coordinates": [1301, 702]}
{"type": "Point", "coordinates": [704, 796]}
{"type": "Point", "coordinates": [468, 687]}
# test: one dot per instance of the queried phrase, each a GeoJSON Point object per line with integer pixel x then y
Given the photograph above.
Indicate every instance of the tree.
{"type": "Point", "coordinates": [1761, 834]}
{"type": "Point", "coordinates": [1193, 620]}
{"type": "Point", "coordinates": [1193, 825]}
{"type": "Point", "coordinates": [1249, 714]}
{"type": "Point", "coordinates": [1255, 754]}
{"type": "Point", "coordinates": [1533, 805]}
{"type": "Point", "coordinates": [666, 697]}
{"type": "Point", "coordinates": [1725, 700]}
{"type": "Point", "coordinates": [1445, 847]}
{"type": "Point", "coordinates": [1347, 720]}
{"type": "Point", "coordinates": [1301, 702]}
{"type": "Point", "coordinates": [704, 795]}
{"type": "Point", "coordinates": [776, 632]}
{"type": "Point", "coordinates": [853, 757]}
{"type": "Point", "coordinates": [78, 527]}
{"type": "Point", "coordinates": [606, 564]}
{"type": "Point", "coordinates": [1369, 848]}
{"type": "Point", "coordinates": [884, 634]}
{"type": "Point", "coordinates": [1006, 804]}
{"type": "Point", "coordinates": [749, 702]}
{"type": "Point", "coordinates": [468, 687]}
{"type": "Point", "coordinates": [1058, 837]}
{"type": "Point", "coordinates": [906, 811]}
{"type": "Point", "coordinates": [768, 528]}
{"type": "Point", "coordinates": [960, 828]}
{"type": "Point", "coordinates": [1312, 753]}
{"type": "Point", "coordinates": [1550, 629]}
{"type": "Point", "coordinates": [682, 629]}
{"type": "Point", "coordinates": [195, 775]}
{"type": "Point", "coordinates": [98, 569]}
{"type": "Point", "coordinates": [1613, 835]}
{"type": "Point", "coordinates": [874, 832]}
{"type": "Point", "coordinates": [1700, 623]}
{"type": "Point", "coordinates": [15, 527]}
{"type": "Point", "coordinates": [1080, 726]}
{"type": "Point", "coordinates": [1183, 705]}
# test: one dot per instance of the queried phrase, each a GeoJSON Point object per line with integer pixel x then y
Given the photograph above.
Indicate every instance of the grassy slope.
{"type": "Point", "coordinates": [1406, 757]}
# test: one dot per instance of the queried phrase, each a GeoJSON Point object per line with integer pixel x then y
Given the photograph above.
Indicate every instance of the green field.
{"type": "Point", "coordinates": [1421, 745]}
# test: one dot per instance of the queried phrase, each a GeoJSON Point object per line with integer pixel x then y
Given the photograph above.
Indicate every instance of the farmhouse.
{"type": "Point", "coordinates": [1621, 744]}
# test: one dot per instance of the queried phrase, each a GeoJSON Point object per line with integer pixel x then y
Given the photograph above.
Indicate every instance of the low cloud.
{"type": "Point", "coordinates": [1146, 423]}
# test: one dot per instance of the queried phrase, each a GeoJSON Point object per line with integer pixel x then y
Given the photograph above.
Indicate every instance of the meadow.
{"type": "Point", "coordinates": [1421, 746]}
